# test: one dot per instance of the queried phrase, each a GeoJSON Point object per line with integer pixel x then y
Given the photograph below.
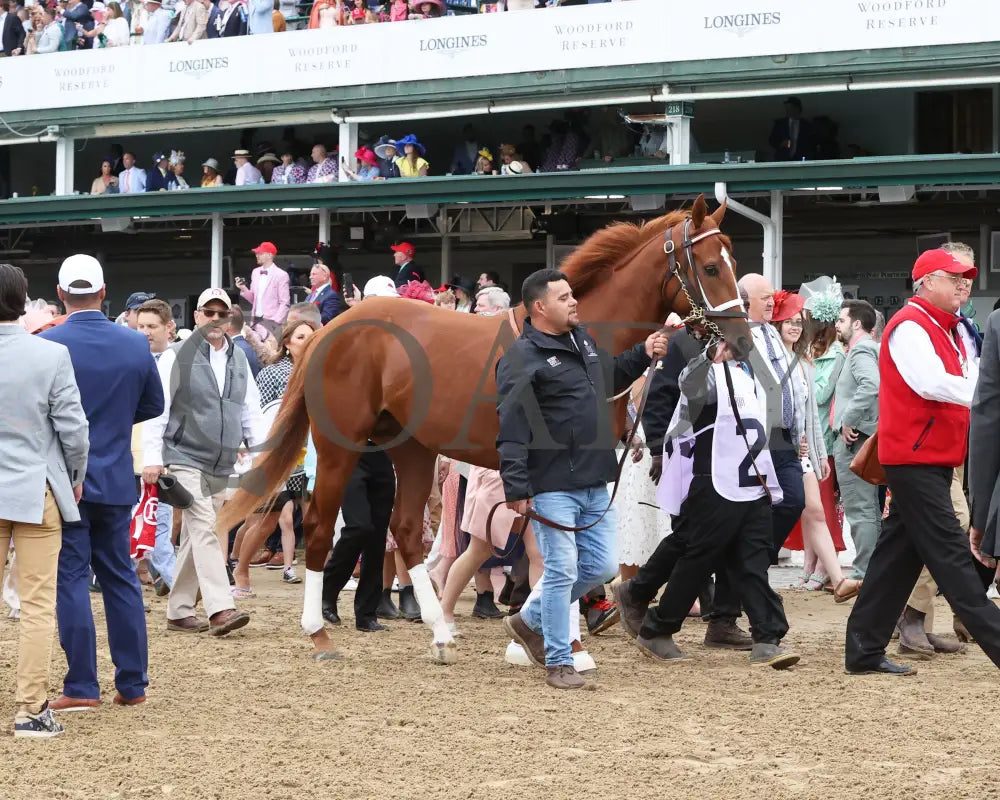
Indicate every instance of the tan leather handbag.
{"type": "Point", "coordinates": [865, 463]}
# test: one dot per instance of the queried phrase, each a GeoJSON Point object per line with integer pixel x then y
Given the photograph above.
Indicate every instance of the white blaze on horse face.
{"type": "Point", "coordinates": [727, 259]}
{"type": "Point", "coordinates": [732, 271]}
{"type": "Point", "coordinates": [312, 603]}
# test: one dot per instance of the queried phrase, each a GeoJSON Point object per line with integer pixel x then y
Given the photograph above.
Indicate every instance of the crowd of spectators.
{"type": "Point", "coordinates": [566, 142]}
{"type": "Point", "coordinates": [47, 26]}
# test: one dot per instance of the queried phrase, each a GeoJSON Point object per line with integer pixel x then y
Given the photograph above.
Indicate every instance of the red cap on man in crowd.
{"type": "Point", "coordinates": [405, 248]}
{"type": "Point", "coordinates": [266, 247]}
{"type": "Point", "coordinates": [940, 260]}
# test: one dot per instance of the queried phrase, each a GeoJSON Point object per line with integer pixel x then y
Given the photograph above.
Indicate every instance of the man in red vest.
{"type": "Point", "coordinates": [927, 385]}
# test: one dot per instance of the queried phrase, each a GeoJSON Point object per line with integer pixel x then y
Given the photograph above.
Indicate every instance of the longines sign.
{"type": "Point", "coordinates": [601, 35]}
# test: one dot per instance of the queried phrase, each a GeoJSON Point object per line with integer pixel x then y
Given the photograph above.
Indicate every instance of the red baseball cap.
{"type": "Point", "coordinates": [941, 261]}
{"type": "Point", "coordinates": [405, 248]}
{"type": "Point", "coordinates": [266, 247]}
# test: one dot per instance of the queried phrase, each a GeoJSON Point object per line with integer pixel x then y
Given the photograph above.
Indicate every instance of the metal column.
{"type": "Point", "coordinates": [773, 226]}
{"type": "Point", "coordinates": [777, 237]}
{"type": "Point", "coordinates": [348, 145]}
{"type": "Point", "coordinates": [216, 266]}
{"type": "Point", "coordinates": [984, 256]}
{"type": "Point", "coordinates": [443, 225]}
{"type": "Point", "coordinates": [65, 151]}
{"type": "Point", "coordinates": [324, 225]}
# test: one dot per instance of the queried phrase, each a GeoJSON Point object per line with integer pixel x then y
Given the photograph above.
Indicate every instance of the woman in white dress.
{"type": "Point", "coordinates": [641, 524]}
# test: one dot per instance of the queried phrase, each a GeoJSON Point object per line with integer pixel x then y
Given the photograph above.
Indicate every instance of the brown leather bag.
{"type": "Point", "coordinates": [865, 463]}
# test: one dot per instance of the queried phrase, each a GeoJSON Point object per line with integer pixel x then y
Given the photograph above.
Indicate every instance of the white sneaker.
{"type": "Point", "coordinates": [351, 585]}
{"type": "Point", "coordinates": [584, 663]}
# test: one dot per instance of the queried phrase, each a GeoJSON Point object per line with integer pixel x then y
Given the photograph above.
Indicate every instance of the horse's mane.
{"type": "Point", "coordinates": [593, 262]}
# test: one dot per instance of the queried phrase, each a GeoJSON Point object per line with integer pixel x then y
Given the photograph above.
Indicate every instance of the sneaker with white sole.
{"type": "Point", "coordinates": [42, 725]}
{"type": "Point", "coordinates": [289, 576]}
{"type": "Point", "coordinates": [583, 661]}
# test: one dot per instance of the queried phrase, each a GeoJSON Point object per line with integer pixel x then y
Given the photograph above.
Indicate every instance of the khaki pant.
{"type": "Point", "coordinates": [925, 590]}
{"type": "Point", "coordinates": [36, 569]}
{"type": "Point", "coordinates": [200, 560]}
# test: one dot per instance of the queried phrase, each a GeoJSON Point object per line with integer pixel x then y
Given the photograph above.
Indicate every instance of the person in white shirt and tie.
{"type": "Point", "coordinates": [770, 363]}
{"type": "Point", "coordinates": [133, 179]}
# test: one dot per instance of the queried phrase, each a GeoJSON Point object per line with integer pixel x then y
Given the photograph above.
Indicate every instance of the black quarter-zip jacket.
{"type": "Point", "coordinates": [555, 421]}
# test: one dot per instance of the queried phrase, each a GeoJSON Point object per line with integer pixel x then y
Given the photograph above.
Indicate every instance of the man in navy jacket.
{"type": "Point", "coordinates": [119, 386]}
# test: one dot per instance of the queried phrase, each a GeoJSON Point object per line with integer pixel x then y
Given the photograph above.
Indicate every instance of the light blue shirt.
{"type": "Point", "coordinates": [157, 27]}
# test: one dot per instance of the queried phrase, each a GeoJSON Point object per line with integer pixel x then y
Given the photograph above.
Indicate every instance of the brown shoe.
{"type": "Point", "coordinates": [223, 622]}
{"type": "Point", "coordinates": [187, 625]}
{"type": "Point", "coordinates": [564, 677]}
{"type": "Point", "coordinates": [129, 701]}
{"type": "Point", "coordinates": [846, 589]}
{"type": "Point", "coordinates": [143, 572]}
{"type": "Point", "coordinates": [64, 703]}
{"type": "Point", "coordinates": [960, 630]}
{"type": "Point", "coordinates": [725, 634]}
{"type": "Point", "coordinates": [942, 645]}
{"type": "Point", "coordinates": [262, 558]}
{"type": "Point", "coordinates": [277, 561]}
{"type": "Point", "coordinates": [632, 613]}
{"type": "Point", "coordinates": [913, 640]}
{"type": "Point", "coordinates": [533, 643]}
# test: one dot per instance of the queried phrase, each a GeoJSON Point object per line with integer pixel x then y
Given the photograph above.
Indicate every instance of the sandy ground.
{"type": "Point", "coordinates": [252, 716]}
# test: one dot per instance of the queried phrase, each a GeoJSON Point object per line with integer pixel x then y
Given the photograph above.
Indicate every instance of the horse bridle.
{"type": "Point", "coordinates": [703, 313]}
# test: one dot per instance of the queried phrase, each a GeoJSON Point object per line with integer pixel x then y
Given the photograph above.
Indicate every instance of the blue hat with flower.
{"type": "Point", "coordinates": [823, 299]}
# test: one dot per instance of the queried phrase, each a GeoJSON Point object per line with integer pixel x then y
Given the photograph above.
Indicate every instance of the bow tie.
{"type": "Point", "coordinates": [263, 272]}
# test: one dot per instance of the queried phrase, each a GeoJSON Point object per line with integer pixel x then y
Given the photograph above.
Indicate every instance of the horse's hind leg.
{"type": "Point", "coordinates": [333, 469]}
{"type": "Point", "coordinates": [414, 474]}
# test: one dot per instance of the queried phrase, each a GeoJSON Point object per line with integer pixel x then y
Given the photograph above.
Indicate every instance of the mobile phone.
{"type": "Point", "coordinates": [348, 287]}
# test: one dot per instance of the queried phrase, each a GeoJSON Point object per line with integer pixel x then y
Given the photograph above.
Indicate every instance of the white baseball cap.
{"type": "Point", "coordinates": [209, 295]}
{"type": "Point", "coordinates": [380, 286]}
{"type": "Point", "coordinates": [84, 271]}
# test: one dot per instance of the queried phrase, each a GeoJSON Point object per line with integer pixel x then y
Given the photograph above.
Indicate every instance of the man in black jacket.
{"type": "Point", "coordinates": [556, 450]}
{"type": "Point", "coordinates": [632, 597]}
{"type": "Point", "coordinates": [12, 33]}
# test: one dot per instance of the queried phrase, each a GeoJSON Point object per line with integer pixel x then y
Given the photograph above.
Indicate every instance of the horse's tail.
{"type": "Point", "coordinates": [272, 468]}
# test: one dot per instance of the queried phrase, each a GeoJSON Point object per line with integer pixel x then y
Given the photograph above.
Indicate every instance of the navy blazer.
{"type": "Point", "coordinates": [329, 303]}
{"type": "Point", "coordinates": [119, 387]}
{"type": "Point", "coordinates": [155, 180]}
{"type": "Point", "coordinates": [248, 351]}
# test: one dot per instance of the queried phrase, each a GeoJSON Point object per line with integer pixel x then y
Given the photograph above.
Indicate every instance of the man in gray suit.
{"type": "Point", "coordinates": [43, 459]}
{"type": "Point", "coordinates": [855, 418]}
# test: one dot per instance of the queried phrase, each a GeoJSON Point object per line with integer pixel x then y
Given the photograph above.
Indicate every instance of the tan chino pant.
{"type": "Point", "coordinates": [200, 560]}
{"type": "Point", "coordinates": [36, 567]}
{"type": "Point", "coordinates": [925, 590]}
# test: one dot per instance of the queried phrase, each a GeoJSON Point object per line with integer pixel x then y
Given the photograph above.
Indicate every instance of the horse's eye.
{"type": "Point", "coordinates": [711, 270]}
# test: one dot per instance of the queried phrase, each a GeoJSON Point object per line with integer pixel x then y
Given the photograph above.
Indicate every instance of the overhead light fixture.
{"type": "Point", "coordinates": [759, 91]}
{"type": "Point", "coordinates": [922, 83]}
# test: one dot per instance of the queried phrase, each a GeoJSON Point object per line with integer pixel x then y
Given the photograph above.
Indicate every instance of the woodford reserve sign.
{"type": "Point", "coordinates": [601, 35]}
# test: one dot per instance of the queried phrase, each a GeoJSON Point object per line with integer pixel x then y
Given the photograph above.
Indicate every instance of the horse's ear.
{"type": "Point", "coordinates": [698, 212]}
{"type": "Point", "coordinates": [720, 212]}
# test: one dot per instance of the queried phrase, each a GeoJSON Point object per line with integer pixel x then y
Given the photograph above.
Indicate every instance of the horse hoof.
{"type": "Point", "coordinates": [444, 654]}
{"type": "Point", "coordinates": [327, 655]}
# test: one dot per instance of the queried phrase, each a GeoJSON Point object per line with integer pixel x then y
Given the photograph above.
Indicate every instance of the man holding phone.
{"type": "Point", "coordinates": [855, 415]}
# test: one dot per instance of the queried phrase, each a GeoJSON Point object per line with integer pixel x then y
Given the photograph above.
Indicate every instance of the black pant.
{"type": "Point", "coordinates": [367, 507]}
{"type": "Point", "coordinates": [720, 529]}
{"type": "Point", "coordinates": [921, 529]}
{"type": "Point", "coordinates": [788, 469]}
{"type": "Point", "coordinates": [660, 566]}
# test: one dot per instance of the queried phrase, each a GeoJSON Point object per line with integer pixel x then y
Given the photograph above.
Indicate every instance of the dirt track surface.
{"type": "Point", "coordinates": [252, 716]}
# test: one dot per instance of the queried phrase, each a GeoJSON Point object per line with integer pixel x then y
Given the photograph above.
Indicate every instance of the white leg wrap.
{"type": "Point", "coordinates": [312, 602]}
{"type": "Point", "coordinates": [574, 621]}
{"type": "Point", "coordinates": [430, 608]}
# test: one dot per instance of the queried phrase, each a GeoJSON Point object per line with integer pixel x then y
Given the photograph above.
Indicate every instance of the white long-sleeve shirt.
{"type": "Point", "coordinates": [912, 351]}
{"type": "Point", "coordinates": [251, 419]}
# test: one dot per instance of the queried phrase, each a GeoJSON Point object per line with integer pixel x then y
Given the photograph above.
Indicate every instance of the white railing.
{"type": "Point", "coordinates": [611, 34]}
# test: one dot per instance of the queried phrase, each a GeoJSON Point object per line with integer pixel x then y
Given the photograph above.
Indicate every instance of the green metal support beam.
{"type": "Point", "coordinates": [677, 180]}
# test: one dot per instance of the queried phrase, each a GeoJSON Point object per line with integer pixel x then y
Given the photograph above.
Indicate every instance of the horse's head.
{"type": "Point", "coordinates": [701, 283]}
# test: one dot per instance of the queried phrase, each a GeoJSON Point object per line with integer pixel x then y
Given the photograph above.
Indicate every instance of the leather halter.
{"type": "Point", "coordinates": [702, 311]}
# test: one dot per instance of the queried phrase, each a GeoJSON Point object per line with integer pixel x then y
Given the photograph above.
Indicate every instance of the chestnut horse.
{"type": "Point", "coordinates": [418, 381]}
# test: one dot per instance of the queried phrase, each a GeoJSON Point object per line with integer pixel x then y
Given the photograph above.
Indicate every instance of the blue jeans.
{"type": "Point", "coordinates": [574, 563]}
{"type": "Point", "coordinates": [164, 559]}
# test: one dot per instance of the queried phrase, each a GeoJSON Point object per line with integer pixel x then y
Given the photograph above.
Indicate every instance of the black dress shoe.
{"type": "Point", "coordinates": [884, 667]}
{"type": "Point", "coordinates": [369, 626]}
{"type": "Point", "coordinates": [330, 615]}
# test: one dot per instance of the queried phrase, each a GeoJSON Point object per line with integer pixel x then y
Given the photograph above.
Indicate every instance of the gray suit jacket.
{"type": "Point", "coordinates": [984, 440]}
{"type": "Point", "coordinates": [43, 430]}
{"type": "Point", "coordinates": [856, 397]}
